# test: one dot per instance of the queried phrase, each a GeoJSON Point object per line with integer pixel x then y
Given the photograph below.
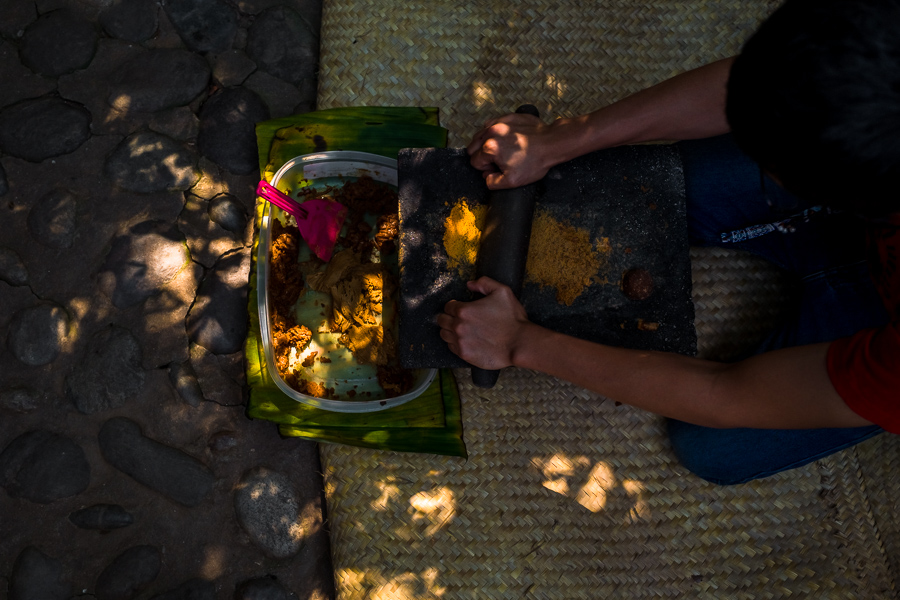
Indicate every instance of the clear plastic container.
{"type": "Point", "coordinates": [343, 373]}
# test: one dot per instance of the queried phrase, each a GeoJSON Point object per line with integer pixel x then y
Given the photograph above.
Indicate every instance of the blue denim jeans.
{"type": "Point", "coordinates": [726, 191]}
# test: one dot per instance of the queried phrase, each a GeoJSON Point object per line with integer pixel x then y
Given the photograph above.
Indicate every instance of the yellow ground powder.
{"type": "Point", "coordinates": [462, 236]}
{"type": "Point", "coordinates": [563, 257]}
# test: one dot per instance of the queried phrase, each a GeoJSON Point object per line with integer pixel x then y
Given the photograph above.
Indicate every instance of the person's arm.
{"type": "Point", "coordinates": [784, 389]}
{"type": "Point", "coordinates": [518, 149]}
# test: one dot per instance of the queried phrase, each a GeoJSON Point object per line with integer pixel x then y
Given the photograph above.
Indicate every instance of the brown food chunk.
{"type": "Point", "coordinates": [357, 300]}
{"type": "Point", "coordinates": [386, 230]}
{"type": "Point", "coordinates": [394, 381]}
{"type": "Point", "coordinates": [316, 389]}
{"type": "Point", "coordinates": [367, 195]}
{"type": "Point", "coordinates": [336, 270]}
{"type": "Point", "coordinates": [637, 284]}
{"type": "Point", "coordinates": [286, 334]}
{"type": "Point", "coordinates": [357, 238]}
{"type": "Point", "coordinates": [286, 280]}
{"type": "Point", "coordinates": [284, 289]}
{"type": "Point", "coordinates": [304, 386]}
{"type": "Point", "coordinates": [357, 287]}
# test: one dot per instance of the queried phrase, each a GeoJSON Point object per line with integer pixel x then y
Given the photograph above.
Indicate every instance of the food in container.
{"type": "Point", "coordinates": [345, 360]}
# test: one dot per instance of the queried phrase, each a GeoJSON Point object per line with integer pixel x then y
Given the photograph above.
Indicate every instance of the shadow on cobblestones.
{"type": "Point", "coordinates": [127, 177]}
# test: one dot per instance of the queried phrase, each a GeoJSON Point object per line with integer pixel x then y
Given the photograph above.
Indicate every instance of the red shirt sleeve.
{"type": "Point", "coordinates": [865, 370]}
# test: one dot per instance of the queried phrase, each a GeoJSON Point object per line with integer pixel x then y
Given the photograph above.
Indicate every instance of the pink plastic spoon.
{"type": "Point", "coordinates": [319, 220]}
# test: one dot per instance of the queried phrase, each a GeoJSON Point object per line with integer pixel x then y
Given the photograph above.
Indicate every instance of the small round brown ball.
{"type": "Point", "coordinates": [637, 284]}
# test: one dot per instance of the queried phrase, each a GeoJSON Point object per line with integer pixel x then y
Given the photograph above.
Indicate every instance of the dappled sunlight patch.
{"type": "Point", "coordinates": [214, 562]}
{"type": "Point", "coordinates": [113, 116]}
{"type": "Point", "coordinates": [482, 95]}
{"type": "Point", "coordinates": [436, 507]}
{"type": "Point", "coordinates": [119, 103]}
{"type": "Point", "coordinates": [309, 520]}
{"type": "Point", "coordinates": [80, 309]}
{"type": "Point", "coordinates": [268, 508]}
{"type": "Point", "coordinates": [138, 146]}
{"type": "Point", "coordinates": [148, 162]}
{"type": "Point", "coordinates": [389, 493]}
{"type": "Point", "coordinates": [559, 469]}
{"type": "Point", "coordinates": [640, 511]}
{"type": "Point", "coordinates": [592, 484]}
{"type": "Point", "coordinates": [211, 182]}
{"type": "Point", "coordinates": [375, 585]}
{"type": "Point", "coordinates": [592, 494]}
{"type": "Point", "coordinates": [555, 85]}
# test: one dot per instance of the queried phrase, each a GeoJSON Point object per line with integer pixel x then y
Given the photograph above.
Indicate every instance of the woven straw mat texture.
{"type": "Point", "coordinates": [565, 494]}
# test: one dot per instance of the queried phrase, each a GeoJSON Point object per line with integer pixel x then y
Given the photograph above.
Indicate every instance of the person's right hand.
{"type": "Point", "coordinates": [509, 151]}
{"type": "Point", "coordinates": [486, 332]}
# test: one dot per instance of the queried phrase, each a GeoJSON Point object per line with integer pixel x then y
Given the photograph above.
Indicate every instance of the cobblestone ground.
{"type": "Point", "coordinates": [127, 175]}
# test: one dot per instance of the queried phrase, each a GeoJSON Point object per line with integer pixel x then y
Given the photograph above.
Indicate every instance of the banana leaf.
{"type": "Point", "coordinates": [431, 423]}
{"type": "Point", "coordinates": [379, 130]}
{"type": "Point", "coordinates": [404, 439]}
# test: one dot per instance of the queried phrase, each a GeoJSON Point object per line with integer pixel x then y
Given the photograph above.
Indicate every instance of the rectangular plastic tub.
{"type": "Point", "coordinates": [343, 373]}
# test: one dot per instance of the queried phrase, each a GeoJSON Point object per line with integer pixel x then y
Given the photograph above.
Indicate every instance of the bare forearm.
{"type": "Point", "coordinates": [688, 106]}
{"type": "Point", "coordinates": [787, 389]}
{"type": "Point", "coordinates": [784, 389]}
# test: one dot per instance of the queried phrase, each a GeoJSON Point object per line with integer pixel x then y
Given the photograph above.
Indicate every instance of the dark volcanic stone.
{"type": "Point", "coordinates": [167, 470]}
{"type": "Point", "coordinates": [179, 123]}
{"type": "Point", "coordinates": [129, 573]}
{"type": "Point", "coordinates": [157, 80]}
{"type": "Point", "coordinates": [232, 67]}
{"type": "Point", "coordinates": [228, 129]}
{"type": "Point", "coordinates": [12, 270]}
{"type": "Point", "coordinates": [148, 162]}
{"type": "Point", "coordinates": [20, 400]}
{"type": "Point", "coordinates": [268, 508]}
{"type": "Point", "coordinates": [110, 373]}
{"type": "Point", "coordinates": [221, 377]}
{"type": "Point", "coordinates": [263, 588]}
{"type": "Point", "coordinates": [52, 219]}
{"type": "Point", "coordinates": [206, 240]}
{"type": "Point", "coordinates": [58, 42]}
{"type": "Point", "coordinates": [101, 516]}
{"type": "Point", "coordinates": [39, 129]}
{"type": "Point", "coordinates": [283, 45]}
{"type": "Point", "coordinates": [36, 334]}
{"type": "Point", "coordinates": [28, 84]}
{"type": "Point", "coordinates": [42, 467]}
{"type": "Point", "coordinates": [228, 213]}
{"type": "Point", "coordinates": [204, 25]}
{"type": "Point", "coordinates": [4, 183]}
{"type": "Point", "coordinates": [185, 381]}
{"type": "Point", "coordinates": [142, 261]}
{"type": "Point", "coordinates": [222, 441]}
{"type": "Point", "coordinates": [194, 589]}
{"type": "Point", "coordinates": [131, 20]}
{"type": "Point", "coordinates": [36, 576]}
{"type": "Point", "coordinates": [280, 96]}
{"type": "Point", "coordinates": [218, 319]}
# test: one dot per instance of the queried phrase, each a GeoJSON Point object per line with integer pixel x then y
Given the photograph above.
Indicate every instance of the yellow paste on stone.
{"type": "Point", "coordinates": [563, 257]}
{"type": "Point", "coordinates": [462, 236]}
{"type": "Point", "coordinates": [560, 256]}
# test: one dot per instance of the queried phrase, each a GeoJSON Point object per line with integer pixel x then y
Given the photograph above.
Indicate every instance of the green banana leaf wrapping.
{"type": "Point", "coordinates": [431, 423]}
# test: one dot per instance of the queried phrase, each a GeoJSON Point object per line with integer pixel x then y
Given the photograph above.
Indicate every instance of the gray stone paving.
{"type": "Point", "coordinates": [127, 173]}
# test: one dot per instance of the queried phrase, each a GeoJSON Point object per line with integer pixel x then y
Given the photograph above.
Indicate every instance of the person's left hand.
{"type": "Point", "coordinates": [511, 151]}
{"type": "Point", "coordinates": [486, 332]}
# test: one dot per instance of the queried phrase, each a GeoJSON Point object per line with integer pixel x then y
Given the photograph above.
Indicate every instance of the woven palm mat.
{"type": "Point", "coordinates": [482, 58]}
{"type": "Point", "coordinates": [565, 494]}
